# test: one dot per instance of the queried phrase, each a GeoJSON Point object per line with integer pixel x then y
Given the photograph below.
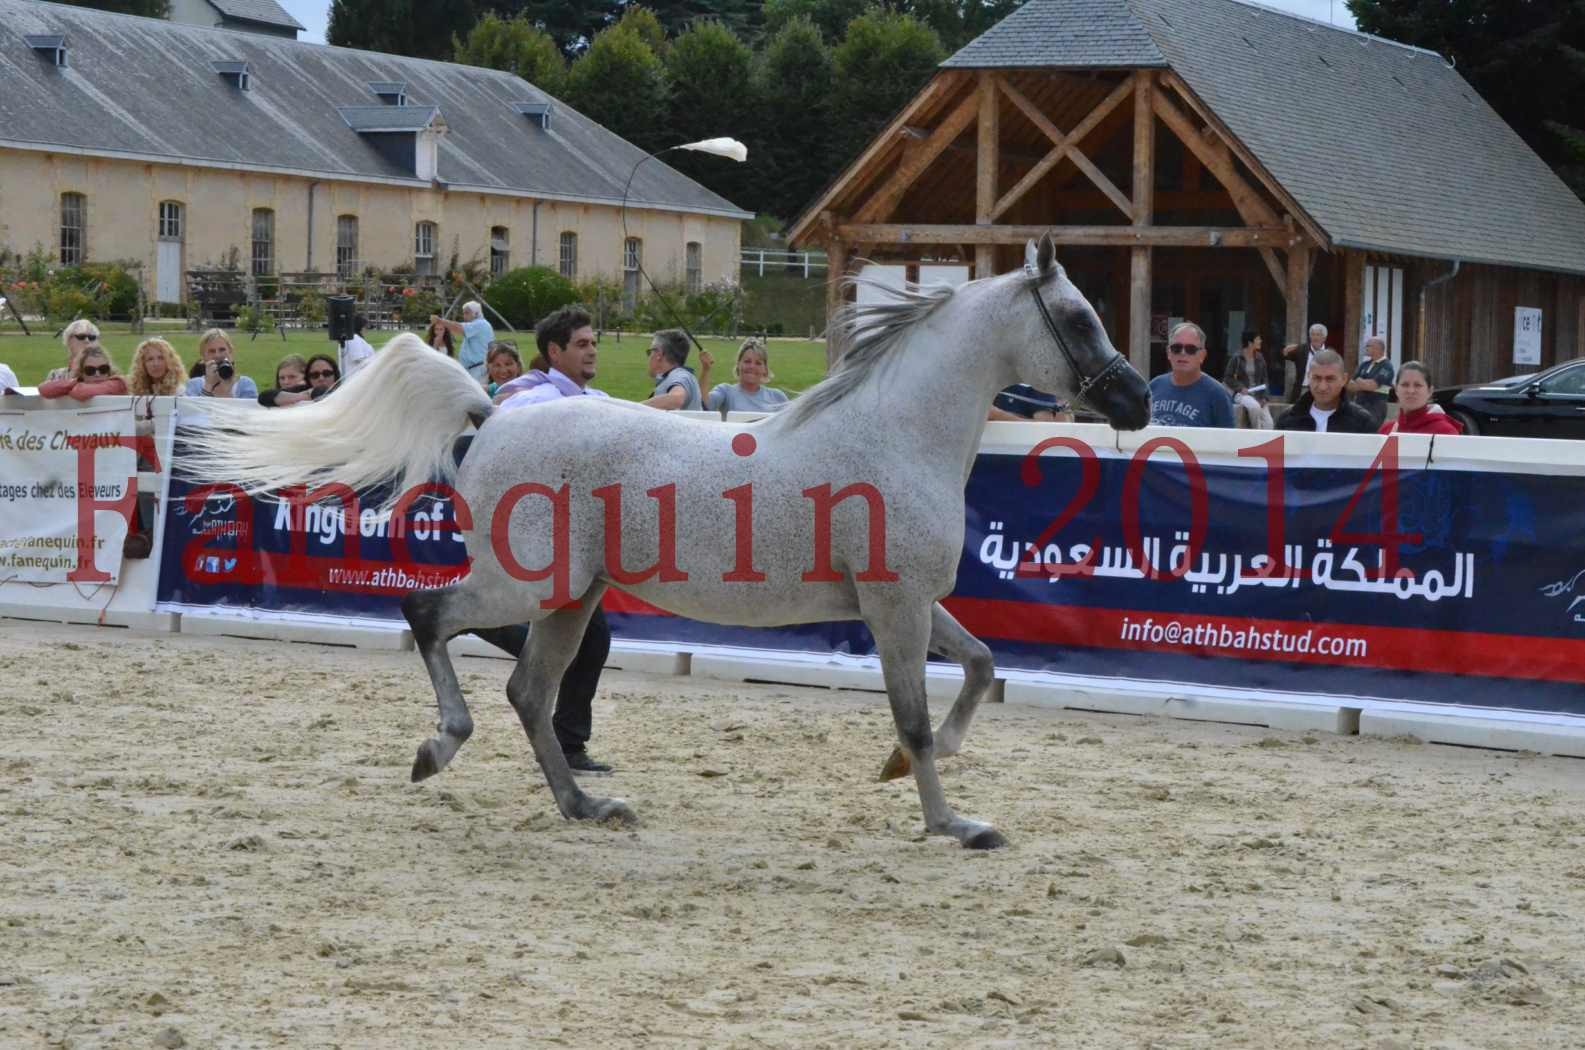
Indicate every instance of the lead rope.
{"type": "Point", "coordinates": [1097, 382]}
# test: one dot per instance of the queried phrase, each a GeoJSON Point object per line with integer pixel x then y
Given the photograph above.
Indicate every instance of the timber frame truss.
{"type": "Point", "coordinates": [859, 214]}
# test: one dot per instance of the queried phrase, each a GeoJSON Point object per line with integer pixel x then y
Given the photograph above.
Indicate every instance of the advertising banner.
{"type": "Point", "coordinates": [67, 485]}
{"type": "Point", "coordinates": [1348, 574]}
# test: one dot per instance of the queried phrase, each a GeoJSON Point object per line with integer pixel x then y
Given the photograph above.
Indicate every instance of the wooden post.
{"type": "Point", "coordinates": [836, 269]}
{"type": "Point", "coordinates": [989, 158]}
{"type": "Point", "coordinates": [1298, 327]}
{"type": "Point", "coordinates": [1351, 345]}
{"type": "Point", "coordinates": [1139, 285]}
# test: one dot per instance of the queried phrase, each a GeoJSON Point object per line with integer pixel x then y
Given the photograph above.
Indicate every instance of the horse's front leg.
{"type": "Point", "coordinates": [949, 639]}
{"type": "Point", "coordinates": [532, 690]}
{"type": "Point", "coordinates": [902, 635]}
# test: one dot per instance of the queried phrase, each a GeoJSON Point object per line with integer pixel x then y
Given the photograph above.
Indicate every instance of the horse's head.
{"type": "Point", "coordinates": [1069, 350]}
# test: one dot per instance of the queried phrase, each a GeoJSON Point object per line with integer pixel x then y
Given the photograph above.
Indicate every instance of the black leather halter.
{"type": "Point", "coordinates": [1109, 374]}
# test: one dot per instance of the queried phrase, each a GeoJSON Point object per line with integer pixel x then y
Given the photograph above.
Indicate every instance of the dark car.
{"type": "Point", "coordinates": [1549, 404]}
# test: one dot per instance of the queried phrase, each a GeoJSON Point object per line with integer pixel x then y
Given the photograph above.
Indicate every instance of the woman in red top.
{"type": "Point", "coordinates": [92, 375]}
{"type": "Point", "coordinates": [1416, 414]}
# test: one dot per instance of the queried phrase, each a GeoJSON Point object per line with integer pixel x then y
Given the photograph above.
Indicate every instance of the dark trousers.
{"type": "Point", "coordinates": [574, 718]}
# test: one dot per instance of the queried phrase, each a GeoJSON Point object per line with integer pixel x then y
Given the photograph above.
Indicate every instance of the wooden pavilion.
{"type": "Point", "coordinates": [1230, 164]}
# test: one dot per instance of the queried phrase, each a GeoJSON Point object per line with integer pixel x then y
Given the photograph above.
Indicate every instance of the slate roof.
{"type": "Point", "coordinates": [267, 12]}
{"type": "Point", "coordinates": [1076, 34]}
{"type": "Point", "coordinates": [1385, 147]}
{"type": "Point", "coordinates": [388, 118]}
{"type": "Point", "coordinates": [143, 88]}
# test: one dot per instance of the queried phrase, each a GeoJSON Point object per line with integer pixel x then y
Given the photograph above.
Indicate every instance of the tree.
{"type": "Point", "coordinates": [831, 17]}
{"type": "Point", "coordinates": [1527, 59]}
{"type": "Point", "coordinates": [641, 21]}
{"type": "Point", "coordinates": [620, 83]}
{"type": "Point", "coordinates": [712, 94]}
{"type": "Point", "coordinates": [793, 79]}
{"type": "Point", "coordinates": [882, 62]}
{"type": "Point", "coordinates": [147, 8]}
{"type": "Point", "coordinates": [516, 46]}
{"type": "Point", "coordinates": [421, 28]}
{"type": "Point", "coordinates": [572, 23]}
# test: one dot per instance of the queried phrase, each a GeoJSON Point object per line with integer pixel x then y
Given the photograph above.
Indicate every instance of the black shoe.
{"type": "Point", "coordinates": [581, 763]}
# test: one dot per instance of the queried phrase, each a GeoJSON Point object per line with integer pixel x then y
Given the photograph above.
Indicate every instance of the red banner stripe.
{"type": "Point", "coordinates": [1395, 648]}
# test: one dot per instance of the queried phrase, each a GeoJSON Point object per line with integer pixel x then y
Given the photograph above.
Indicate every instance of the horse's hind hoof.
{"type": "Point", "coordinates": [896, 766]}
{"type": "Point", "coordinates": [424, 765]}
{"type": "Point", "coordinates": [988, 838]}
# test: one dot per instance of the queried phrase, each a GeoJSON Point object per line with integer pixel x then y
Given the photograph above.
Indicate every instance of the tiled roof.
{"type": "Point", "coordinates": [267, 12]}
{"type": "Point", "coordinates": [168, 104]}
{"type": "Point", "coordinates": [1385, 147]}
{"type": "Point", "coordinates": [1080, 34]}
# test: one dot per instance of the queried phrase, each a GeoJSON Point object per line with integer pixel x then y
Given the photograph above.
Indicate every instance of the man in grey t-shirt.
{"type": "Point", "coordinates": [675, 386]}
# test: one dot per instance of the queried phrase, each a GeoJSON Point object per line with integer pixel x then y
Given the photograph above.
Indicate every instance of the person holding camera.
{"type": "Point", "coordinates": [218, 377]}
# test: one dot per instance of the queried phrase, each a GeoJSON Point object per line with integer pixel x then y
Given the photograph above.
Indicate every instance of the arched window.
{"type": "Point", "coordinates": [500, 250]}
{"type": "Point", "coordinates": [424, 248]}
{"type": "Point", "coordinates": [694, 259]}
{"type": "Point", "coordinates": [263, 242]}
{"type": "Point", "coordinates": [632, 259]}
{"type": "Point", "coordinates": [346, 247]}
{"type": "Point", "coordinates": [569, 255]}
{"type": "Point", "coordinates": [74, 229]}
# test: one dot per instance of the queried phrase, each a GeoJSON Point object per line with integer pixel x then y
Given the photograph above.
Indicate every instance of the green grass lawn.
{"type": "Point", "coordinates": [796, 363]}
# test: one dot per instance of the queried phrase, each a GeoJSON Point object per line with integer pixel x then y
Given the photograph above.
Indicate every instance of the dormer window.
{"type": "Point", "coordinates": [538, 112]}
{"type": "Point", "coordinates": [233, 73]}
{"type": "Point", "coordinates": [390, 92]}
{"type": "Point", "coordinates": [407, 136]}
{"type": "Point", "coordinates": [51, 45]}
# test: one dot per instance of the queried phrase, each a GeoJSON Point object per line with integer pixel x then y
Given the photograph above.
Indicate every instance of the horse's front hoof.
{"type": "Point", "coordinates": [615, 811]}
{"type": "Point", "coordinates": [424, 765]}
{"type": "Point", "coordinates": [985, 838]}
{"type": "Point", "coordinates": [896, 766]}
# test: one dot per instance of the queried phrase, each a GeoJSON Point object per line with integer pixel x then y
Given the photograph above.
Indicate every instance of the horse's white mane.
{"type": "Point", "coordinates": [865, 335]}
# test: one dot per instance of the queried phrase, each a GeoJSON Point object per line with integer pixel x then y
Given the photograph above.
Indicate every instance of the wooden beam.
{"type": "Point", "coordinates": [1066, 145]}
{"type": "Point", "coordinates": [836, 270]}
{"type": "Point", "coordinates": [1100, 236]}
{"type": "Point", "coordinates": [942, 84]}
{"type": "Point", "coordinates": [1139, 282]}
{"type": "Point", "coordinates": [885, 200]}
{"type": "Point", "coordinates": [1298, 300]}
{"type": "Point", "coordinates": [989, 166]}
{"type": "Point", "coordinates": [1251, 207]}
{"type": "Point", "coordinates": [1352, 345]}
{"type": "Point", "coordinates": [1172, 80]}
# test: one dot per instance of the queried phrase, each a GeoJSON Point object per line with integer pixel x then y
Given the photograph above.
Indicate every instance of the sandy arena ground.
{"type": "Point", "coordinates": [213, 843]}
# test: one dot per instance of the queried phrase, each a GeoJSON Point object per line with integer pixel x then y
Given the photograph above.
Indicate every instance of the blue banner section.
{"type": "Point", "coordinates": [1354, 579]}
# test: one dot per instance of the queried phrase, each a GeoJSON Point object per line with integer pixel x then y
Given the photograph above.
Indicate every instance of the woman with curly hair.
{"type": "Point", "coordinates": [156, 369]}
{"type": "Point", "coordinates": [438, 337]}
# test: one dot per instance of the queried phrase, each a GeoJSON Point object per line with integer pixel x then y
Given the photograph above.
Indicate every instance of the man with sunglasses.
{"type": "Point", "coordinates": [1185, 396]}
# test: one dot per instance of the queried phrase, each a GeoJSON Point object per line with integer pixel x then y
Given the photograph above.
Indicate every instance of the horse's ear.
{"type": "Point", "coordinates": [1045, 255]}
{"type": "Point", "coordinates": [1031, 259]}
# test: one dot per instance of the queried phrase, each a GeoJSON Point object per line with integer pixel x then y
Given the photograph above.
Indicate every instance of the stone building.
{"type": "Point", "coordinates": [126, 138]}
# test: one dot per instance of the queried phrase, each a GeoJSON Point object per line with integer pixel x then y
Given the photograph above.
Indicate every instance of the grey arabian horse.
{"type": "Point", "coordinates": [848, 505]}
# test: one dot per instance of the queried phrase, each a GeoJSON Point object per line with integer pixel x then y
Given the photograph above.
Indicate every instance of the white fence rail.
{"type": "Point", "coordinates": [757, 259]}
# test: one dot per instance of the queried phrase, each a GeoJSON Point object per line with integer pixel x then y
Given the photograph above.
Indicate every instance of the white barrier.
{"type": "Point", "coordinates": [131, 603]}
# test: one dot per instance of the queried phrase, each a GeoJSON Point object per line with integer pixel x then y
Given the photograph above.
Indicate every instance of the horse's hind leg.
{"type": "Point", "coordinates": [435, 617]}
{"type": "Point", "coordinates": [532, 690]}
{"type": "Point", "coordinates": [902, 635]}
{"type": "Point", "coordinates": [949, 639]}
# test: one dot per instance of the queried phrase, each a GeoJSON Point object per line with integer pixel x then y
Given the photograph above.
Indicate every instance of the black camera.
{"type": "Point", "coordinates": [225, 370]}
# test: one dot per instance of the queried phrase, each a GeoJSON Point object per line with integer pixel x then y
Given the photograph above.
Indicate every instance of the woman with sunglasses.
{"type": "Point", "coordinates": [291, 384]}
{"type": "Point", "coordinates": [75, 337]}
{"type": "Point", "coordinates": [323, 374]}
{"type": "Point", "coordinates": [93, 375]}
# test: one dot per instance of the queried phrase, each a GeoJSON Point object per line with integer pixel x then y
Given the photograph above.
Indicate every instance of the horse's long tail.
{"type": "Point", "coordinates": [394, 421]}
